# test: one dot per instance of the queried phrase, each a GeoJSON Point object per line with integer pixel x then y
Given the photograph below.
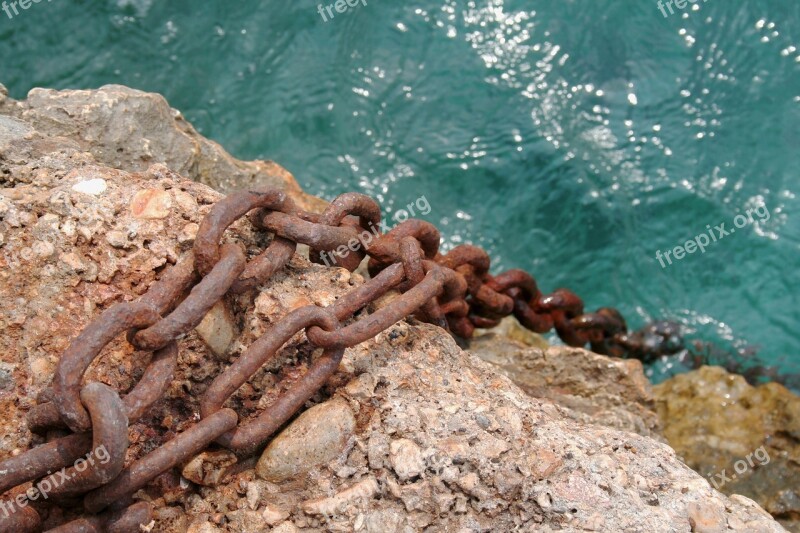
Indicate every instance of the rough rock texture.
{"type": "Point", "coordinates": [441, 440]}
{"type": "Point", "coordinates": [745, 439]}
{"type": "Point", "coordinates": [593, 388]}
{"type": "Point", "coordinates": [128, 129]}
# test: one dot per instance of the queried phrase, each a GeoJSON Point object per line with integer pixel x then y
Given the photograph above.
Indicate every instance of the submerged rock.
{"type": "Point", "coordinates": [744, 439]}
{"type": "Point", "coordinates": [439, 440]}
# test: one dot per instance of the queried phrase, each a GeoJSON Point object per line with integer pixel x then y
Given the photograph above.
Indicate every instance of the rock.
{"type": "Point", "coordinates": [203, 527]}
{"type": "Point", "coordinates": [273, 515]}
{"type": "Point", "coordinates": [431, 438]}
{"type": "Point", "coordinates": [12, 129]}
{"type": "Point", "coordinates": [707, 518]}
{"type": "Point", "coordinates": [208, 468]}
{"type": "Point", "coordinates": [286, 527]}
{"type": "Point", "coordinates": [406, 458]}
{"type": "Point", "coordinates": [744, 439]}
{"type": "Point", "coordinates": [217, 329]}
{"type": "Point", "coordinates": [151, 204]}
{"type": "Point", "coordinates": [510, 329]}
{"type": "Point", "coordinates": [362, 491]}
{"type": "Point", "coordinates": [317, 437]}
{"type": "Point", "coordinates": [593, 388]}
{"type": "Point", "coordinates": [246, 520]}
{"type": "Point", "coordinates": [128, 129]}
{"type": "Point", "coordinates": [94, 187]}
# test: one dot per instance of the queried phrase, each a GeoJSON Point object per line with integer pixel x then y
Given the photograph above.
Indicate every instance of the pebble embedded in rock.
{"type": "Point", "coordinates": [94, 187]}
{"type": "Point", "coordinates": [117, 239]}
{"type": "Point", "coordinates": [273, 515]}
{"type": "Point", "coordinates": [406, 458]}
{"type": "Point", "coordinates": [286, 527]}
{"type": "Point", "coordinates": [208, 468]}
{"type": "Point", "coordinates": [203, 527]}
{"type": "Point", "coordinates": [151, 204]}
{"type": "Point", "coordinates": [705, 517]}
{"type": "Point", "coordinates": [318, 436]}
{"type": "Point", "coordinates": [217, 329]}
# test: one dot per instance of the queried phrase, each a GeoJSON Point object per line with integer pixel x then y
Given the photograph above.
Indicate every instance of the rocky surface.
{"type": "Point", "coordinates": [128, 129]}
{"type": "Point", "coordinates": [410, 434]}
{"type": "Point", "coordinates": [592, 388]}
{"type": "Point", "coordinates": [745, 439]}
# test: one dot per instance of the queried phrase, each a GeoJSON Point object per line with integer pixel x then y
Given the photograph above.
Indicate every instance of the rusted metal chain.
{"type": "Point", "coordinates": [151, 387]}
{"type": "Point", "coordinates": [455, 291]}
{"type": "Point", "coordinates": [257, 431]}
{"type": "Point", "coordinates": [43, 460]}
{"type": "Point", "coordinates": [17, 518]}
{"type": "Point", "coordinates": [191, 311]}
{"type": "Point", "coordinates": [129, 520]}
{"type": "Point", "coordinates": [110, 434]}
{"type": "Point", "coordinates": [176, 451]}
{"type": "Point", "coordinates": [84, 349]}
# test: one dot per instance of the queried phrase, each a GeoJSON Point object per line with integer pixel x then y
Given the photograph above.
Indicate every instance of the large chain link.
{"type": "Point", "coordinates": [453, 290]}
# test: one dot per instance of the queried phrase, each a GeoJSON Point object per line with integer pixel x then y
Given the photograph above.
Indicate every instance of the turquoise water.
{"type": "Point", "coordinates": [574, 139]}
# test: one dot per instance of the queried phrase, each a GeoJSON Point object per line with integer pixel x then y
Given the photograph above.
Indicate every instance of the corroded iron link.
{"type": "Point", "coordinates": [19, 519]}
{"type": "Point", "coordinates": [396, 310]}
{"type": "Point", "coordinates": [151, 388]}
{"type": "Point", "coordinates": [191, 311]}
{"type": "Point", "coordinates": [257, 431]}
{"type": "Point", "coordinates": [43, 459]}
{"type": "Point", "coordinates": [315, 235]}
{"type": "Point", "coordinates": [411, 256]}
{"type": "Point", "coordinates": [226, 212]}
{"type": "Point", "coordinates": [84, 349]}
{"type": "Point", "coordinates": [270, 261]}
{"type": "Point", "coordinates": [129, 520]}
{"type": "Point", "coordinates": [453, 290]}
{"type": "Point", "coordinates": [174, 452]}
{"type": "Point", "coordinates": [110, 434]}
{"type": "Point", "coordinates": [342, 211]}
{"type": "Point", "coordinates": [386, 250]}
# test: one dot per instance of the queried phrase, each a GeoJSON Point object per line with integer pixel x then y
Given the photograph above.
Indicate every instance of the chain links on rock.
{"type": "Point", "coordinates": [453, 290]}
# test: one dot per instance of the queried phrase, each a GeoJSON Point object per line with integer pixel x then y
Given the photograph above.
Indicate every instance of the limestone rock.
{"type": "Point", "coordinates": [129, 129]}
{"type": "Point", "coordinates": [744, 439]}
{"type": "Point", "coordinates": [217, 329]}
{"type": "Point", "coordinates": [593, 388]}
{"type": "Point", "coordinates": [406, 458]}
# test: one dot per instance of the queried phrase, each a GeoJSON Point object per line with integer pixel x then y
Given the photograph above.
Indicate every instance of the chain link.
{"type": "Point", "coordinates": [454, 291]}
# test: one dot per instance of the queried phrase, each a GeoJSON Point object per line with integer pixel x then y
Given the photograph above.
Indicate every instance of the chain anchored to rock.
{"type": "Point", "coordinates": [454, 291]}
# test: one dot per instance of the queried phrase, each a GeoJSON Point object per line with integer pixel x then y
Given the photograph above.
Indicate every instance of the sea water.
{"type": "Point", "coordinates": [581, 140]}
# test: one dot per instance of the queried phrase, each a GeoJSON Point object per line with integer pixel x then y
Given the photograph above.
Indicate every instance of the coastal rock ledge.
{"type": "Point", "coordinates": [411, 434]}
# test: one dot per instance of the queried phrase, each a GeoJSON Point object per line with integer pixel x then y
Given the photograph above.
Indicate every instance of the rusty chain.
{"type": "Point", "coordinates": [453, 290]}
